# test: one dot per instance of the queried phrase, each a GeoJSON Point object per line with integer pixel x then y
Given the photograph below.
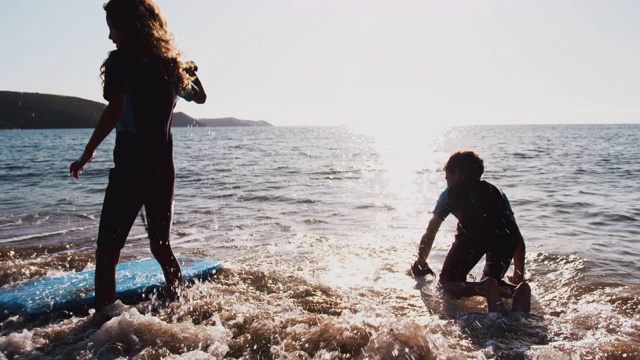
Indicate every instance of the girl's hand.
{"type": "Point", "coordinates": [78, 166]}
{"type": "Point", "coordinates": [190, 68]}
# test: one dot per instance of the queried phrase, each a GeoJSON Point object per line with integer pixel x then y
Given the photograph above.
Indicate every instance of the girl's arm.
{"type": "Point", "coordinates": [201, 95]}
{"type": "Point", "coordinates": [108, 120]}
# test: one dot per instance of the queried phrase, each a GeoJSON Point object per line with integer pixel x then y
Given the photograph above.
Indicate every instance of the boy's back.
{"type": "Point", "coordinates": [481, 208]}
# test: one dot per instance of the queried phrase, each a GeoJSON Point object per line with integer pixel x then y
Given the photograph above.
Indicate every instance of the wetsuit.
{"type": "Point", "coordinates": [485, 226]}
{"type": "Point", "coordinates": [144, 174]}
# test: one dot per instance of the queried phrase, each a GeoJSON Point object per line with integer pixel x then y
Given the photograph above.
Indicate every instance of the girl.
{"type": "Point", "coordinates": [142, 80]}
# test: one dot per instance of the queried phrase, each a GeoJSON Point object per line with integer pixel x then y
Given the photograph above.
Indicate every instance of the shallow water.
{"type": "Point", "coordinates": [317, 227]}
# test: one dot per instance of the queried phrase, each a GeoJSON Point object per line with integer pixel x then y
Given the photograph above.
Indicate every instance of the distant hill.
{"type": "Point", "coordinates": [230, 121]}
{"type": "Point", "coordinates": [41, 111]}
{"type": "Point", "coordinates": [181, 119]}
{"type": "Point", "coordinates": [44, 111]}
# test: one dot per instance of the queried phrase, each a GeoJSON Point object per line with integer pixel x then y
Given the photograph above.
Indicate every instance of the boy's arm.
{"type": "Point", "coordinates": [108, 120]}
{"type": "Point", "coordinates": [420, 267]}
{"type": "Point", "coordinates": [426, 242]}
{"type": "Point", "coordinates": [518, 263]}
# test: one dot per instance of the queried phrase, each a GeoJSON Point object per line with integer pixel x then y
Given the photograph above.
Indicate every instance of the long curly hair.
{"type": "Point", "coordinates": [146, 35]}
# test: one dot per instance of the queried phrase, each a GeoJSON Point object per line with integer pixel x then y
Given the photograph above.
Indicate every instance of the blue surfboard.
{"type": "Point", "coordinates": [134, 281]}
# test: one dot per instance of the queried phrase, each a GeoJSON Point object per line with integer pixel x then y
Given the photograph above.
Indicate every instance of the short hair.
{"type": "Point", "coordinates": [467, 162]}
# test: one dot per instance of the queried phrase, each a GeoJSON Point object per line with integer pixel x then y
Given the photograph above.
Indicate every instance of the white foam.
{"type": "Point", "coordinates": [17, 343]}
{"type": "Point", "coordinates": [135, 330]}
{"type": "Point", "coordinates": [192, 355]}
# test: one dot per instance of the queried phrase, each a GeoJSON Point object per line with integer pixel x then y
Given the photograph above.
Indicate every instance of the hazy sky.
{"type": "Point", "coordinates": [327, 62]}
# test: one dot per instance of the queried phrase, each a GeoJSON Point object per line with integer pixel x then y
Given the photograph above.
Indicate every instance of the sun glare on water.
{"type": "Point", "coordinates": [402, 180]}
{"type": "Point", "coordinates": [411, 159]}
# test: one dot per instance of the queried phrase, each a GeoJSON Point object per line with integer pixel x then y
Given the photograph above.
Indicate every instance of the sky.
{"type": "Point", "coordinates": [356, 62]}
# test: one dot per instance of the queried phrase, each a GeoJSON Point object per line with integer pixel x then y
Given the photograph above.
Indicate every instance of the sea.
{"type": "Point", "coordinates": [317, 227]}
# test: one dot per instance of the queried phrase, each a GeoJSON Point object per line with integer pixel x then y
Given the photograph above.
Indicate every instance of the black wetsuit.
{"type": "Point", "coordinates": [144, 173]}
{"type": "Point", "coordinates": [485, 226]}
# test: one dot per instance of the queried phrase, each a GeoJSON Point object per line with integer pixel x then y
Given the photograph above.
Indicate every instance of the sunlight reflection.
{"type": "Point", "coordinates": [411, 160]}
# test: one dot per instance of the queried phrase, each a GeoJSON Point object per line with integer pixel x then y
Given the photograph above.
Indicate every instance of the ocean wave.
{"type": "Point", "coordinates": [17, 265]}
{"type": "Point", "coordinates": [316, 267]}
{"type": "Point", "coordinates": [34, 236]}
{"type": "Point", "coordinates": [375, 206]}
{"type": "Point", "coordinates": [315, 221]}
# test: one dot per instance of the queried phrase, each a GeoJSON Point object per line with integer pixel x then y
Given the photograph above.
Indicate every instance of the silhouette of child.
{"type": "Point", "coordinates": [142, 80]}
{"type": "Point", "coordinates": [486, 226]}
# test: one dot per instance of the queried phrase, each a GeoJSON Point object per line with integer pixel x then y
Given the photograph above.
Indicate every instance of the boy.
{"type": "Point", "coordinates": [486, 226]}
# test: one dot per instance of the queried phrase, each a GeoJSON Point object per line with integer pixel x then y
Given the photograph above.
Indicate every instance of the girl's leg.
{"type": "Point", "coordinates": [105, 276]}
{"type": "Point", "coordinates": [120, 208]}
{"type": "Point", "coordinates": [170, 266]}
{"type": "Point", "coordinates": [159, 209]}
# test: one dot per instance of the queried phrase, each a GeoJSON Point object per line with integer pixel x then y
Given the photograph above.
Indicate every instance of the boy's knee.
{"type": "Point", "coordinates": [450, 289]}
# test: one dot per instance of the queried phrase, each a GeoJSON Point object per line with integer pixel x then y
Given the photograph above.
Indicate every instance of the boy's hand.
{"type": "Point", "coordinates": [421, 270]}
{"type": "Point", "coordinates": [515, 279]}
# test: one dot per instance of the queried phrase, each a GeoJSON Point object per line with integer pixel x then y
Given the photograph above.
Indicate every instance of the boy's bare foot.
{"type": "Point", "coordinates": [522, 298]}
{"type": "Point", "coordinates": [505, 291]}
{"type": "Point", "coordinates": [491, 291]}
